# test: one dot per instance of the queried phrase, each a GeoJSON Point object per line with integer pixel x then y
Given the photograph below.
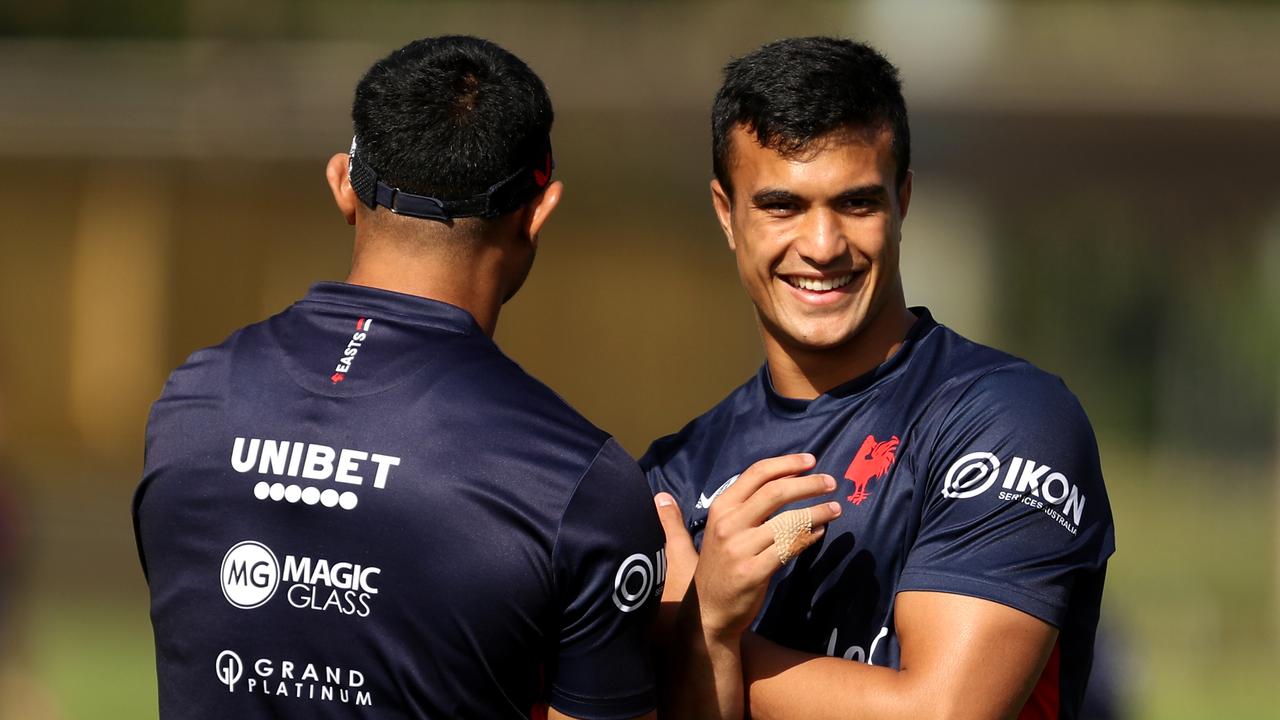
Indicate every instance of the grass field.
{"type": "Point", "coordinates": [96, 660]}
{"type": "Point", "coordinates": [1193, 589]}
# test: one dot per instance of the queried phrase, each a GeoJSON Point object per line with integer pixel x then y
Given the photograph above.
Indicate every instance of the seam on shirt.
{"type": "Point", "coordinates": [1051, 607]}
{"type": "Point", "coordinates": [764, 376]}
{"type": "Point", "coordinates": [555, 547]}
{"type": "Point", "coordinates": [295, 373]}
{"type": "Point", "coordinates": [410, 319]}
{"type": "Point", "coordinates": [602, 699]}
{"type": "Point", "coordinates": [964, 392]}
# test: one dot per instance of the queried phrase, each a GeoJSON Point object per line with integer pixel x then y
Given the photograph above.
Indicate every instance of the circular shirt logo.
{"type": "Point", "coordinates": [250, 574]}
{"type": "Point", "coordinates": [633, 583]}
{"type": "Point", "coordinates": [971, 475]}
{"type": "Point", "coordinates": [230, 668]}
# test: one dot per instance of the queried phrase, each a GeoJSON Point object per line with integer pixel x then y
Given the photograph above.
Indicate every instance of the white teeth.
{"type": "Point", "coordinates": [819, 284]}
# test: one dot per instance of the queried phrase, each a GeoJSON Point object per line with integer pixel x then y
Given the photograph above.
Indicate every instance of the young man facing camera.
{"type": "Point", "coordinates": [360, 507]}
{"type": "Point", "coordinates": [967, 529]}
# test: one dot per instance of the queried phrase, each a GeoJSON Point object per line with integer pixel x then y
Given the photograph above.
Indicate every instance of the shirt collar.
{"type": "Point", "coordinates": [854, 387]}
{"type": "Point", "coordinates": [409, 308]}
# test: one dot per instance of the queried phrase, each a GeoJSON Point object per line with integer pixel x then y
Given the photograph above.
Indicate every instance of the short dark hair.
{"type": "Point", "coordinates": [792, 92]}
{"type": "Point", "coordinates": [451, 116]}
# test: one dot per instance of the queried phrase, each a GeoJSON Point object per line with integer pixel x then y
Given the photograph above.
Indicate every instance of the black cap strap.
{"type": "Point", "coordinates": [501, 198]}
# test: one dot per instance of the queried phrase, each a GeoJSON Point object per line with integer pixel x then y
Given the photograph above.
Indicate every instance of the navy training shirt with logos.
{"type": "Point", "coordinates": [960, 469]}
{"type": "Point", "coordinates": [361, 508]}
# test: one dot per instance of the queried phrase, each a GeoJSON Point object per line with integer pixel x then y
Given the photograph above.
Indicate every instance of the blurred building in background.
{"type": "Point", "coordinates": [1096, 190]}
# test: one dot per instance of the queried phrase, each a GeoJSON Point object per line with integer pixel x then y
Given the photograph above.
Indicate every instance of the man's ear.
{"type": "Point", "coordinates": [904, 196]}
{"type": "Point", "coordinates": [724, 211]}
{"type": "Point", "coordinates": [539, 209]}
{"type": "Point", "coordinates": [344, 196]}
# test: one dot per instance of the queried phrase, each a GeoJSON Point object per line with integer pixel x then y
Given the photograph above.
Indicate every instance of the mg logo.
{"type": "Point", "coordinates": [250, 574]}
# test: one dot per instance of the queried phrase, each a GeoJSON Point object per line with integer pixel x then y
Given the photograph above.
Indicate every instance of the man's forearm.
{"type": "Point", "coordinates": [943, 637]}
{"type": "Point", "coordinates": [783, 683]}
{"type": "Point", "coordinates": [702, 675]}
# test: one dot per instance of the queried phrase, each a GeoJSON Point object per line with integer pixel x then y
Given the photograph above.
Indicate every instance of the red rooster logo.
{"type": "Point", "coordinates": [872, 461]}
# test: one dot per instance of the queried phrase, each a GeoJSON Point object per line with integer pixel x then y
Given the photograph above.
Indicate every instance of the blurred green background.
{"type": "Point", "coordinates": [1096, 190]}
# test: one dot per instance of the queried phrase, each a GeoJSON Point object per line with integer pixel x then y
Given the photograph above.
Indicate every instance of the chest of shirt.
{"type": "Point", "coordinates": [837, 598]}
{"type": "Point", "coordinates": [872, 456]}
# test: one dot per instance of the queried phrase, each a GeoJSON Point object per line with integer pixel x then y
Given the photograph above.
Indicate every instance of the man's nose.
{"type": "Point", "coordinates": [823, 240]}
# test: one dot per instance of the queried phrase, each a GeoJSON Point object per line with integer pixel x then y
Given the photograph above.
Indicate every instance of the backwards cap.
{"type": "Point", "coordinates": [501, 198]}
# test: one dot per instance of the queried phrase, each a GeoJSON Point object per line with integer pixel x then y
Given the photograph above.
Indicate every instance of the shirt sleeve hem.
{"type": "Point", "coordinates": [1047, 610]}
{"type": "Point", "coordinates": [592, 708]}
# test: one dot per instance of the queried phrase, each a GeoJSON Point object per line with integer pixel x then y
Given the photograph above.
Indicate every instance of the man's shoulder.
{"type": "Point", "coordinates": [1008, 413]}
{"type": "Point", "coordinates": [207, 368]}
{"type": "Point", "coordinates": [489, 397]}
{"type": "Point", "coordinates": [509, 387]}
{"type": "Point", "coordinates": [975, 375]}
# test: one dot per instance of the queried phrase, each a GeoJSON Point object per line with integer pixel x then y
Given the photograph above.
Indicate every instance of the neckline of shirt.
{"type": "Point", "coordinates": [854, 388]}
{"type": "Point", "coordinates": [409, 308]}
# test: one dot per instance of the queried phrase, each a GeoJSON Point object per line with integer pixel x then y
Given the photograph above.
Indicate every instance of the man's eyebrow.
{"type": "Point", "coordinates": [767, 196]}
{"type": "Point", "coordinates": [874, 190]}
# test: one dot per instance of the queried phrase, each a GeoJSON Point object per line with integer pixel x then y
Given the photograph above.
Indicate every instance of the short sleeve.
{"type": "Point", "coordinates": [610, 567]}
{"type": "Point", "coordinates": [1015, 510]}
{"type": "Point", "coordinates": [658, 481]}
{"type": "Point", "coordinates": [655, 464]}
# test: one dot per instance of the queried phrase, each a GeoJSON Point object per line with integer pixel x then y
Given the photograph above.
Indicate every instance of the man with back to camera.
{"type": "Point", "coordinates": [360, 507]}
{"type": "Point", "coordinates": [960, 570]}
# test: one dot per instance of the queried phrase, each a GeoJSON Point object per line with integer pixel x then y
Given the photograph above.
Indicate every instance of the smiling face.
{"type": "Point", "coordinates": [816, 236]}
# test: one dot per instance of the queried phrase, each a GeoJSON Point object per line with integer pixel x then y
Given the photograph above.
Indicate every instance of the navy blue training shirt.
{"type": "Point", "coordinates": [361, 508]}
{"type": "Point", "coordinates": [960, 469]}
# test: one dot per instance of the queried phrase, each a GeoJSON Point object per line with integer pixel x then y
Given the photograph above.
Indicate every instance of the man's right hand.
{"type": "Point", "coordinates": [739, 554]}
{"type": "Point", "coordinates": [703, 667]}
